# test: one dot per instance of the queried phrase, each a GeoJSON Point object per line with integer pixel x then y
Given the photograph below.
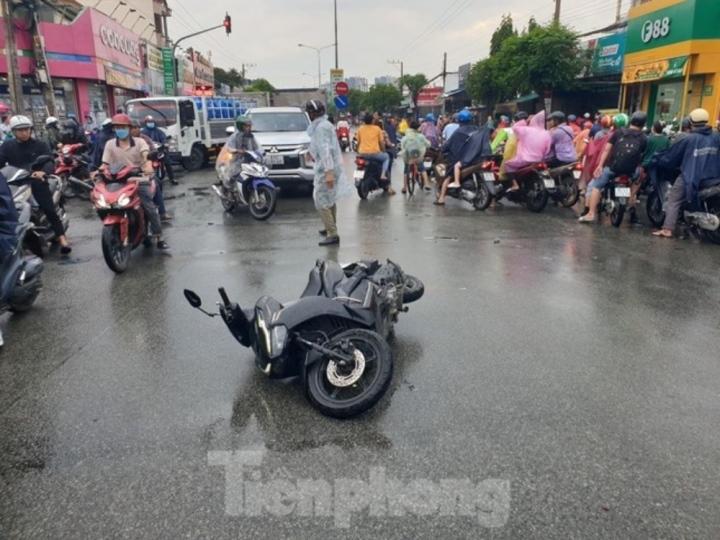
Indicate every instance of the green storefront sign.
{"type": "Point", "coordinates": [688, 20]}
{"type": "Point", "coordinates": [169, 71]}
{"type": "Point", "coordinates": [608, 55]}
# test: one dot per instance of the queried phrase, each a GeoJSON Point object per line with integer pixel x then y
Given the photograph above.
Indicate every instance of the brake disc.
{"type": "Point", "coordinates": [343, 381]}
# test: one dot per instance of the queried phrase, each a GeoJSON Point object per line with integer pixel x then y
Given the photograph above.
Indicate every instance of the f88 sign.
{"type": "Point", "coordinates": [656, 29]}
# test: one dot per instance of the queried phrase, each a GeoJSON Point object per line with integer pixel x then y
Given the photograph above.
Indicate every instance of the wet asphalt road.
{"type": "Point", "coordinates": [569, 374]}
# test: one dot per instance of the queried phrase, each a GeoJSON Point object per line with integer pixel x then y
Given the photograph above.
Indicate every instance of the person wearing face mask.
{"type": "Point", "coordinates": [125, 150]}
{"type": "Point", "coordinates": [158, 136]}
{"type": "Point", "coordinates": [21, 151]}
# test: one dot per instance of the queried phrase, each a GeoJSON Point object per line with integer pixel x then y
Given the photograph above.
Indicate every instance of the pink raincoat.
{"type": "Point", "coordinates": [533, 143]}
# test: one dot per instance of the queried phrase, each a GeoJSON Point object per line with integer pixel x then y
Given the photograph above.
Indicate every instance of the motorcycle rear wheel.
{"type": "Point", "coordinates": [262, 203]}
{"type": "Point", "coordinates": [617, 215]}
{"type": "Point", "coordinates": [414, 289]}
{"type": "Point", "coordinates": [362, 190]}
{"type": "Point", "coordinates": [536, 197]}
{"type": "Point", "coordinates": [117, 256]}
{"type": "Point", "coordinates": [361, 389]}
{"type": "Point", "coordinates": [483, 197]}
{"type": "Point", "coordinates": [654, 209]}
{"type": "Point", "coordinates": [571, 189]}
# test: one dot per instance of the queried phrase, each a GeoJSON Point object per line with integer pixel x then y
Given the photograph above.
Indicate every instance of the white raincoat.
{"type": "Point", "coordinates": [325, 150]}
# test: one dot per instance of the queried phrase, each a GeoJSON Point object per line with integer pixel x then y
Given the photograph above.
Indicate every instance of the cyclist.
{"type": "Point", "coordinates": [412, 149]}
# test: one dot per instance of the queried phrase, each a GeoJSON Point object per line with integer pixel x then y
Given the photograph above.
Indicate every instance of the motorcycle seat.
{"type": "Point", "coordinates": [563, 168]}
{"type": "Point", "coordinates": [710, 192]}
{"type": "Point", "coordinates": [324, 279]}
{"type": "Point", "coordinates": [470, 170]}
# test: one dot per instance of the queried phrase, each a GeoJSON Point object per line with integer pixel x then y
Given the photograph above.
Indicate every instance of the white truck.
{"type": "Point", "coordinates": [197, 125]}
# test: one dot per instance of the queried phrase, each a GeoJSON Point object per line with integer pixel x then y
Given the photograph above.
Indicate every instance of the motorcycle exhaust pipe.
{"type": "Point", "coordinates": [704, 220]}
{"type": "Point", "coordinates": [219, 193]}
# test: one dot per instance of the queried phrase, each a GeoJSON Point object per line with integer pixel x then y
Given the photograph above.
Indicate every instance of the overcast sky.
{"type": "Point", "coordinates": [370, 32]}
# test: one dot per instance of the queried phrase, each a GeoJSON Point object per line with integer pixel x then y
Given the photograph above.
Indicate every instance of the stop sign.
{"type": "Point", "coordinates": [342, 88]}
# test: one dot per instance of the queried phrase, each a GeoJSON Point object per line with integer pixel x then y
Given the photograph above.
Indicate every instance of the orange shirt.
{"type": "Point", "coordinates": [369, 139]}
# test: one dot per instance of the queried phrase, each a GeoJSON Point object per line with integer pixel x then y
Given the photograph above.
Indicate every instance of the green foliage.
{"type": "Point", "coordinates": [260, 85]}
{"type": "Point", "coordinates": [382, 98]}
{"type": "Point", "coordinates": [357, 101]}
{"type": "Point", "coordinates": [415, 83]}
{"type": "Point", "coordinates": [532, 24]}
{"type": "Point", "coordinates": [232, 78]}
{"type": "Point", "coordinates": [488, 83]}
{"type": "Point", "coordinates": [502, 33]}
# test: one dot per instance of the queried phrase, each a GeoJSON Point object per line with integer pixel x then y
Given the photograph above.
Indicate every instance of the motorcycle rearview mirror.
{"type": "Point", "coordinates": [195, 301]}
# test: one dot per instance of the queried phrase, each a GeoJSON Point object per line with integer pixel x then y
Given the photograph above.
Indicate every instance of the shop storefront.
{"type": "Point", "coordinates": [672, 59]}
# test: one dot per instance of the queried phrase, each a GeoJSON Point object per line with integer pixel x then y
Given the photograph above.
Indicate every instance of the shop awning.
{"type": "Point", "coordinates": [527, 97]}
{"type": "Point", "coordinates": [653, 71]}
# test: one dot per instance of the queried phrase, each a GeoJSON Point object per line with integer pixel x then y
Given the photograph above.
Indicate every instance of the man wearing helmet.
{"type": "Point", "coordinates": [125, 150]}
{"type": "Point", "coordinates": [698, 158]}
{"type": "Point", "coordinates": [52, 132]}
{"type": "Point", "coordinates": [21, 151]}
{"type": "Point", "coordinates": [157, 135]}
{"type": "Point", "coordinates": [243, 140]}
{"type": "Point", "coordinates": [562, 148]}
{"type": "Point", "coordinates": [430, 130]}
{"type": "Point", "coordinates": [325, 151]}
{"type": "Point", "coordinates": [622, 154]}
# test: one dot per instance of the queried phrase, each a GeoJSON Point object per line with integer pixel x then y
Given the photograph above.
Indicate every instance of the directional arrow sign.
{"type": "Point", "coordinates": [342, 102]}
{"type": "Point", "coordinates": [342, 88]}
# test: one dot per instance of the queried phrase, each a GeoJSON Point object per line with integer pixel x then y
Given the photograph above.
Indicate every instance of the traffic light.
{"type": "Point", "coordinates": [227, 23]}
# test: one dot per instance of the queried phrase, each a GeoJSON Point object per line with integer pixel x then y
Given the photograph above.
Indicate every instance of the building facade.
{"type": "Point", "coordinates": [672, 58]}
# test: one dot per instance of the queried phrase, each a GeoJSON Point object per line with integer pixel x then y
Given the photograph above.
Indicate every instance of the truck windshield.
{"type": "Point", "coordinates": [164, 112]}
{"type": "Point", "coordinates": [279, 121]}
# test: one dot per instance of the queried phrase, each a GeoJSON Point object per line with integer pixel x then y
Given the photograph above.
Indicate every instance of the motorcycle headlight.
{"type": "Point", "coordinates": [172, 145]}
{"type": "Point", "coordinates": [278, 340]}
{"type": "Point", "coordinates": [100, 202]}
{"type": "Point", "coordinates": [123, 201]}
{"type": "Point", "coordinates": [263, 332]}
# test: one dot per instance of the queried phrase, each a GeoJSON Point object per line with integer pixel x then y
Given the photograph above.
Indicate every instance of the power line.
{"type": "Point", "coordinates": [450, 13]}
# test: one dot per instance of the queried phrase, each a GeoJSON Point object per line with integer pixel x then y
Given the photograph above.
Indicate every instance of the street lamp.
{"type": "Point", "coordinates": [318, 50]}
{"type": "Point", "coordinates": [402, 65]}
{"type": "Point", "coordinates": [120, 3]}
{"type": "Point", "coordinates": [131, 10]}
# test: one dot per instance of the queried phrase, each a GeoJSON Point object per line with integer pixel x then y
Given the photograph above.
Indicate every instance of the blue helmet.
{"type": "Point", "coordinates": [465, 117]}
{"type": "Point", "coordinates": [430, 117]}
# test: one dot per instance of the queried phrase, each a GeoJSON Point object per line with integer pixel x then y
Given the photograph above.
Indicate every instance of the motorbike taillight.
{"type": "Point", "coordinates": [622, 180]}
{"type": "Point", "coordinates": [360, 163]}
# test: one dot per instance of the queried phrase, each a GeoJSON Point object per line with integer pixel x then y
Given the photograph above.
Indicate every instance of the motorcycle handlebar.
{"type": "Point", "coordinates": [224, 296]}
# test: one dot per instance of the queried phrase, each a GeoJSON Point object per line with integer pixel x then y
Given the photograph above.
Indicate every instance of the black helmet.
{"type": "Point", "coordinates": [638, 119]}
{"type": "Point", "coordinates": [558, 116]}
{"type": "Point", "coordinates": [521, 115]}
{"type": "Point", "coordinates": [315, 107]}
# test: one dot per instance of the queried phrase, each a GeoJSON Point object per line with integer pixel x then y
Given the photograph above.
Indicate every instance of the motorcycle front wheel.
{"type": "Point", "coordinates": [536, 195]}
{"type": "Point", "coordinates": [414, 289]}
{"type": "Point", "coordinates": [571, 190]}
{"type": "Point", "coordinates": [117, 255]}
{"type": "Point", "coordinates": [346, 391]}
{"type": "Point", "coordinates": [263, 202]}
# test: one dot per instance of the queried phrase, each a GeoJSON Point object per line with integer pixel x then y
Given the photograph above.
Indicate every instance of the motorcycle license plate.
{"type": "Point", "coordinates": [622, 192]}
{"type": "Point", "coordinates": [428, 164]}
{"type": "Point", "coordinates": [358, 175]}
{"type": "Point", "coordinates": [577, 174]}
{"type": "Point", "coordinates": [488, 177]}
{"type": "Point", "coordinates": [549, 183]}
{"type": "Point", "coordinates": [274, 159]}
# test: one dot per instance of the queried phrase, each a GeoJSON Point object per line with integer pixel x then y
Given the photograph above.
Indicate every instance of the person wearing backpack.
{"type": "Point", "coordinates": [623, 154]}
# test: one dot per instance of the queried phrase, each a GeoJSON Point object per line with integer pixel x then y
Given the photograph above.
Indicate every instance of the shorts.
{"type": "Point", "coordinates": [420, 165]}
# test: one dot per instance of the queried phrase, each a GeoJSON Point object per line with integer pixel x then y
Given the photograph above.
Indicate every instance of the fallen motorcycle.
{"type": "Point", "coordinates": [333, 337]}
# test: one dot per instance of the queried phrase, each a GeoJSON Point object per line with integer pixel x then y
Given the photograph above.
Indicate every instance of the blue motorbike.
{"type": "Point", "coordinates": [244, 182]}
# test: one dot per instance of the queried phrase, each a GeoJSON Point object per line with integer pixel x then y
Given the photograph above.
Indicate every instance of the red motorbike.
{"type": "Point", "coordinates": [72, 166]}
{"type": "Point", "coordinates": [117, 200]}
{"type": "Point", "coordinates": [343, 135]}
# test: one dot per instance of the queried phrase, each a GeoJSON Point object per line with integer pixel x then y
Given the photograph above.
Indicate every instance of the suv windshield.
{"type": "Point", "coordinates": [164, 112]}
{"type": "Point", "coordinates": [279, 121]}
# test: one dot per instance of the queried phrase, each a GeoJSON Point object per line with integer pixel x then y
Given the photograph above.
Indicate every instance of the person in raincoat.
{"type": "Point", "coordinates": [325, 150]}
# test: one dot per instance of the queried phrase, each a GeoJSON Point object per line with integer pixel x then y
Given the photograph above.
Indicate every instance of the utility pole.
{"type": "Point", "coordinates": [245, 66]}
{"type": "Point", "coordinates": [619, 11]}
{"type": "Point", "coordinates": [14, 80]}
{"type": "Point", "coordinates": [444, 79]}
{"type": "Point", "coordinates": [556, 18]}
{"type": "Point", "coordinates": [337, 66]}
{"type": "Point", "coordinates": [42, 69]}
{"type": "Point", "coordinates": [402, 65]}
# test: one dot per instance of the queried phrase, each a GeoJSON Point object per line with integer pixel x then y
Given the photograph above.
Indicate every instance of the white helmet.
{"type": "Point", "coordinates": [50, 120]}
{"type": "Point", "coordinates": [230, 130]}
{"type": "Point", "coordinates": [107, 122]}
{"type": "Point", "coordinates": [20, 122]}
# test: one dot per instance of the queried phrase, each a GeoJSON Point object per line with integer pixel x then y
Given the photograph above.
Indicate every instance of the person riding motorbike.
{"type": "Point", "coordinates": [243, 140]}
{"type": "Point", "coordinates": [450, 128]}
{"type": "Point", "coordinates": [430, 130]}
{"type": "Point", "coordinates": [622, 154]}
{"type": "Point", "coordinates": [21, 151]}
{"type": "Point", "coordinates": [8, 221]}
{"type": "Point", "coordinates": [106, 133]}
{"type": "Point", "coordinates": [533, 144]}
{"type": "Point", "coordinates": [502, 134]}
{"type": "Point", "coordinates": [698, 158]}
{"type": "Point", "coordinates": [413, 147]}
{"type": "Point", "coordinates": [371, 144]}
{"type": "Point", "coordinates": [467, 145]}
{"type": "Point", "coordinates": [52, 133]}
{"type": "Point", "coordinates": [159, 197]}
{"type": "Point", "coordinates": [71, 132]}
{"type": "Point", "coordinates": [125, 150]}
{"type": "Point", "coordinates": [562, 147]}
{"type": "Point", "coordinates": [158, 136]}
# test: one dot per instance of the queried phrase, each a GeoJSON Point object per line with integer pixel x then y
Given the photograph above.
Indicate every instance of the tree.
{"type": "Point", "coordinates": [532, 24]}
{"type": "Point", "coordinates": [415, 84]}
{"type": "Point", "coordinates": [488, 82]}
{"type": "Point", "coordinates": [232, 78]}
{"type": "Point", "coordinates": [357, 101]}
{"type": "Point", "coordinates": [504, 31]}
{"type": "Point", "coordinates": [382, 98]}
{"type": "Point", "coordinates": [260, 85]}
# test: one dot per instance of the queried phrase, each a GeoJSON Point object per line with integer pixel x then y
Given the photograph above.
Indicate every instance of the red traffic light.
{"type": "Point", "coordinates": [227, 23]}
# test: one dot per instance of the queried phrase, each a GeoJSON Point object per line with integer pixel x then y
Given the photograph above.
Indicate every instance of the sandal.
{"type": "Point", "coordinates": [663, 233]}
{"type": "Point", "coordinates": [586, 219]}
{"type": "Point", "coordinates": [438, 203]}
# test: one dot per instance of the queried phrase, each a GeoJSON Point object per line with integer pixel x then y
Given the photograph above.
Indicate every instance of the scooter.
{"type": "Point", "coordinates": [116, 198]}
{"type": "Point", "coordinates": [705, 221]}
{"type": "Point", "coordinates": [475, 182]}
{"type": "Point", "coordinates": [367, 177]}
{"type": "Point", "coordinates": [20, 273]}
{"type": "Point", "coordinates": [248, 185]}
{"type": "Point", "coordinates": [343, 135]}
{"type": "Point", "coordinates": [565, 179]}
{"type": "Point", "coordinates": [333, 337]}
{"type": "Point", "coordinates": [615, 198]}
{"type": "Point", "coordinates": [533, 181]}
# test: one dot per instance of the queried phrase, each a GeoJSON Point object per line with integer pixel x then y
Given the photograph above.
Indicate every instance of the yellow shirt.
{"type": "Point", "coordinates": [369, 139]}
{"type": "Point", "coordinates": [403, 127]}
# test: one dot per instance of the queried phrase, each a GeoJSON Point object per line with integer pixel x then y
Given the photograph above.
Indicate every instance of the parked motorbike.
{"type": "Point", "coordinates": [343, 135]}
{"type": "Point", "coordinates": [158, 162]}
{"type": "Point", "coordinates": [248, 185]}
{"type": "Point", "coordinates": [705, 221]}
{"type": "Point", "coordinates": [658, 188]}
{"type": "Point", "coordinates": [367, 177]}
{"type": "Point", "coordinates": [22, 194]}
{"type": "Point", "coordinates": [615, 198]}
{"type": "Point", "coordinates": [333, 337]}
{"type": "Point", "coordinates": [73, 168]}
{"type": "Point", "coordinates": [565, 189]}
{"type": "Point", "coordinates": [20, 273]}
{"type": "Point", "coordinates": [116, 198]}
